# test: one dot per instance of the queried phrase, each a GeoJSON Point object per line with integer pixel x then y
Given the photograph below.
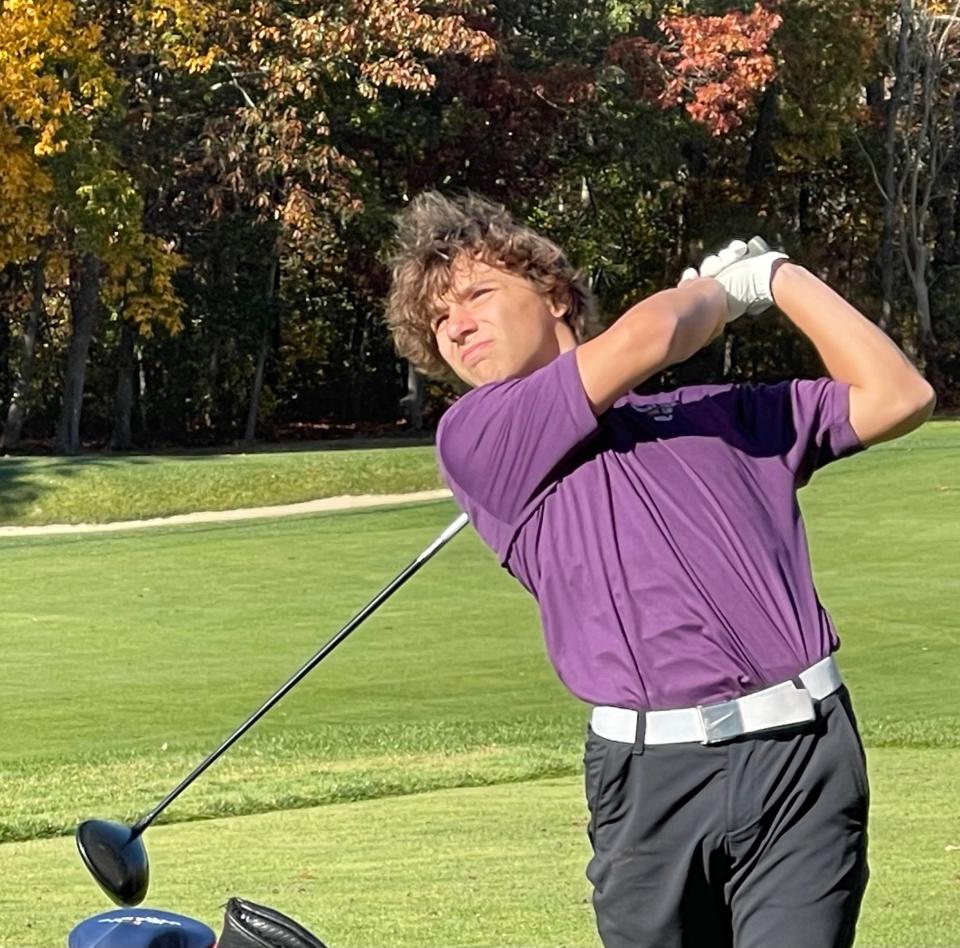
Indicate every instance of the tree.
{"type": "Point", "coordinates": [63, 123]}
{"type": "Point", "coordinates": [271, 72]}
{"type": "Point", "coordinates": [23, 378]}
{"type": "Point", "coordinates": [51, 82]}
{"type": "Point", "coordinates": [922, 139]}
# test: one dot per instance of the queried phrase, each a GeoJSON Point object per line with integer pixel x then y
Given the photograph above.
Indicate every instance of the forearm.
{"type": "Point", "coordinates": [888, 395]}
{"type": "Point", "coordinates": [698, 318]}
{"type": "Point", "coordinates": [660, 331]}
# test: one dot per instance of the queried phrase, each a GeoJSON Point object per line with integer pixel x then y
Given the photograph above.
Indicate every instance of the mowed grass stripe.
{"type": "Point", "coordinates": [304, 769]}
{"type": "Point", "coordinates": [496, 866]}
{"type": "Point", "coordinates": [263, 775]}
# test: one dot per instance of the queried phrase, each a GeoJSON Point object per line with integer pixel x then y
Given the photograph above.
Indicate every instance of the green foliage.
{"type": "Point", "coordinates": [828, 52]}
{"type": "Point", "coordinates": [106, 205]}
{"type": "Point", "coordinates": [236, 169]}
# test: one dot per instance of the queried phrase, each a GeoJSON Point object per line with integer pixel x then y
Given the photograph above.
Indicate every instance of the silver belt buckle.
{"type": "Point", "coordinates": [720, 722]}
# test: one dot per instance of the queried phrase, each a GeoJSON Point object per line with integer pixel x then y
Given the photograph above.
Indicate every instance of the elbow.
{"type": "Point", "coordinates": [878, 418]}
{"type": "Point", "coordinates": [919, 402]}
{"type": "Point", "coordinates": [914, 406]}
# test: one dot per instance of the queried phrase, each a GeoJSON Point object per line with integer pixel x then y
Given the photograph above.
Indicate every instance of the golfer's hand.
{"type": "Point", "coordinates": [745, 271]}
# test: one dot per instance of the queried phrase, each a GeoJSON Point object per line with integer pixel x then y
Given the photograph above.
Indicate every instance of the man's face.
{"type": "Point", "coordinates": [494, 325]}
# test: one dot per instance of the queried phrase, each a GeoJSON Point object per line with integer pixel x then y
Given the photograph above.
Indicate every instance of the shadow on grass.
{"type": "Point", "coordinates": [25, 481]}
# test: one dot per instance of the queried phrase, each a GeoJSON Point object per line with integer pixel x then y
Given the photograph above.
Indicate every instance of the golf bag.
{"type": "Point", "coordinates": [248, 925]}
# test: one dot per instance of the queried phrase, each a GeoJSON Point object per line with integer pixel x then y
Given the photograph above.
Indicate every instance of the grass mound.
{"type": "Point", "coordinates": [103, 489]}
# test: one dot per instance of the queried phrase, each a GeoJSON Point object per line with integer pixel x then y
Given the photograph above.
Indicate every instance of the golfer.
{"type": "Point", "coordinates": [661, 537]}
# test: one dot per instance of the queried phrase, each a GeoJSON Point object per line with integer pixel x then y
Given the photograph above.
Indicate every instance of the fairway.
{"type": "Point", "coordinates": [127, 657]}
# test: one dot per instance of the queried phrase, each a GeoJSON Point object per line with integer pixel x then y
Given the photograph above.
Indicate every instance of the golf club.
{"type": "Point", "coordinates": [114, 853]}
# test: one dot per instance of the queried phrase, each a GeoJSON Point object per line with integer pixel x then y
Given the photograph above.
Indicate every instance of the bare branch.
{"type": "Point", "coordinates": [873, 167]}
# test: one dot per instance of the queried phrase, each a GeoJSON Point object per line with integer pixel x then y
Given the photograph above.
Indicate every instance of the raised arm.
{"type": "Point", "coordinates": [888, 396]}
{"type": "Point", "coordinates": [662, 330]}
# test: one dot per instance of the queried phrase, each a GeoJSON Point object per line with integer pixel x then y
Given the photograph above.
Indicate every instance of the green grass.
{"type": "Point", "coordinates": [128, 656]}
{"type": "Point", "coordinates": [495, 866]}
{"type": "Point", "coordinates": [143, 651]}
{"type": "Point", "coordinates": [884, 531]}
{"type": "Point", "coordinates": [103, 489]}
{"type": "Point", "coordinates": [131, 655]}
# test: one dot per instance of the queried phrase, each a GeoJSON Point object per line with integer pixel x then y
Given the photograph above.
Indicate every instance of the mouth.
{"type": "Point", "coordinates": [472, 354]}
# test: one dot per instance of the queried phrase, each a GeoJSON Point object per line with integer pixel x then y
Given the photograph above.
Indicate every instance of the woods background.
{"type": "Point", "coordinates": [196, 195]}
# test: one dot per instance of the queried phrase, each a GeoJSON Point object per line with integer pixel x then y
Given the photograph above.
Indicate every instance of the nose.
{"type": "Point", "coordinates": [459, 324]}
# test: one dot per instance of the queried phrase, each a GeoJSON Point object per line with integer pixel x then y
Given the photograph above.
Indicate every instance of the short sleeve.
{"type": "Point", "coordinates": [808, 419]}
{"type": "Point", "coordinates": [500, 443]}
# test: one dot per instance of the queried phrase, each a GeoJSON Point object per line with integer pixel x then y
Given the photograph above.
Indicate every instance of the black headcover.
{"type": "Point", "coordinates": [248, 925]}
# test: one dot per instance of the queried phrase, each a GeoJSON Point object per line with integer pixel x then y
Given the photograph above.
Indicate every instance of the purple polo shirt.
{"type": "Point", "coordinates": [662, 540]}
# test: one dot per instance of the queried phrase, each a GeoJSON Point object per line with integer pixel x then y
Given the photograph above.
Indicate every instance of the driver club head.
{"type": "Point", "coordinates": [116, 858]}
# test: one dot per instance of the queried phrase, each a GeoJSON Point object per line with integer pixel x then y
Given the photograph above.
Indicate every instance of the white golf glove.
{"type": "Point", "coordinates": [744, 270]}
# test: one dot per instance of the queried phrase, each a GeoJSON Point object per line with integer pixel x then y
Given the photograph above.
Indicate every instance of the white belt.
{"type": "Point", "coordinates": [773, 707]}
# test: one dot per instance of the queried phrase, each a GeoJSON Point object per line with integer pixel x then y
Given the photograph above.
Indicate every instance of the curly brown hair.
{"type": "Point", "coordinates": [432, 231]}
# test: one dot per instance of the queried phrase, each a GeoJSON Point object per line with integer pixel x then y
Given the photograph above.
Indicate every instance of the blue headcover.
{"type": "Point", "coordinates": [141, 928]}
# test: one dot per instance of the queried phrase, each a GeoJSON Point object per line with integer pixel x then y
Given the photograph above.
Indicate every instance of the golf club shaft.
{"type": "Point", "coordinates": [451, 531]}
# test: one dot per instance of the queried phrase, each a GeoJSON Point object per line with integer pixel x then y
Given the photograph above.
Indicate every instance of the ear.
{"type": "Point", "coordinates": [559, 304]}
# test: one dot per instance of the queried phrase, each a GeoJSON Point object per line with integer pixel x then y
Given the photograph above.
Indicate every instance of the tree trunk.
{"type": "Point", "coordinates": [121, 439]}
{"type": "Point", "coordinates": [84, 313]}
{"type": "Point", "coordinates": [921, 292]}
{"type": "Point", "coordinates": [250, 432]}
{"type": "Point", "coordinates": [946, 206]}
{"type": "Point", "coordinates": [727, 355]}
{"type": "Point", "coordinates": [223, 279]}
{"type": "Point", "coordinates": [412, 402]}
{"type": "Point", "coordinates": [888, 239]}
{"type": "Point", "coordinates": [876, 100]}
{"type": "Point", "coordinates": [142, 397]}
{"type": "Point", "coordinates": [210, 397]}
{"type": "Point", "coordinates": [762, 161]}
{"type": "Point", "coordinates": [16, 414]}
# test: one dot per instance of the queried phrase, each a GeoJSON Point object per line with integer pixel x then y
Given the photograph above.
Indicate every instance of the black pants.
{"type": "Point", "coordinates": [756, 843]}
